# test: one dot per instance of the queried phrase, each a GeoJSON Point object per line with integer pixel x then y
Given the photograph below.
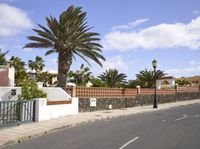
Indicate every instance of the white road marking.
{"type": "Point", "coordinates": [126, 144]}
{"type": "Point", "coordinates": [196, 115]}
{"type": "Point", "coordinates": [181, 118]}
{"type": "Point", "coordinates": [164, 120]}
{"type": "Point", "coordinates": [185, 116]}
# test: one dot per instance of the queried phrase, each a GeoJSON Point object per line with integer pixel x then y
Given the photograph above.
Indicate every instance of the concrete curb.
{"type": "Point", "coordinates": [41, 128]}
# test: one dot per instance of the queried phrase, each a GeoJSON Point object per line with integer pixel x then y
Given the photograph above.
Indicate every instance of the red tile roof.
{"type": "Point", "coordinates": [166, 77]}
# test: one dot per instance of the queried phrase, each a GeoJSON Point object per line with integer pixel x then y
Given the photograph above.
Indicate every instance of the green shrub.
{"type": "Point", "coordinates": [97, 82]}
{"type": "Point", "coordinates": [30, 90]}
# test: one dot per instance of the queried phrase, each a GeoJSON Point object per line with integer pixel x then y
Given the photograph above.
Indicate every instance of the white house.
{"type": "Point", "coordinates": [165, 82]}
{"type": "Point", "coordinates": [62, 103]}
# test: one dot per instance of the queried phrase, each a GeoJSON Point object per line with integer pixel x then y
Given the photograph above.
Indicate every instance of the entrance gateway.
{"type": "Point", "coordinates": [16, 112]}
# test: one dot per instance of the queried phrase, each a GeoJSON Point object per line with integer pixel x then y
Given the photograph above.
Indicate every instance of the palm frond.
{"type": "Point", "coordinates": [37, 45]}
{"type": "Point", "coordinates": [50, 52]}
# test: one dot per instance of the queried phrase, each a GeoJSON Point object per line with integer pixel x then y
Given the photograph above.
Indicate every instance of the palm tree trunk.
{"type": "Point", "coordinates": [65, 61]}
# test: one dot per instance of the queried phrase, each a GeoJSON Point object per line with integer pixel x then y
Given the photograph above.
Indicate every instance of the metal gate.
{"type": "Point", "coordinates": [16, 112]}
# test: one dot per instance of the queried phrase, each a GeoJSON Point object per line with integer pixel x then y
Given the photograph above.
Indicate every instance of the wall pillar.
{"type": "Point", "coordinates": [138, 89]}
{"type": "Point", "coordinates": [176, 88]}
{"type": "Point", "coordinates": [73, 91]}
{"type": "Point", "coordinates": [22, 110]}
{"type": "Point", "coordinates": [40, 103]}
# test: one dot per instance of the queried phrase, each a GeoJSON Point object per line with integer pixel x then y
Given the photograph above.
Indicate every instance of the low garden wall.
{"type": "Point", "coordinates": [46, 110]}
{"type": "Point", "coordinates": [105, 92]}
{"type": "Point", "coordinates": [139, 100]}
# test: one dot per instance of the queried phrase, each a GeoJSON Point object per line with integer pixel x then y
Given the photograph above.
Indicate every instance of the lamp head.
{"type": "Point", "coordinates": [154, 63]}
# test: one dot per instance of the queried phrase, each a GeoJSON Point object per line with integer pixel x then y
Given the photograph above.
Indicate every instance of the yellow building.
{"type": "Point", "coordinates": [195, 80]}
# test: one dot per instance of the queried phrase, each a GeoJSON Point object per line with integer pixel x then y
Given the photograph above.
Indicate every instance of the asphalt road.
{"type": "Point", "coordinates": [177, 128]}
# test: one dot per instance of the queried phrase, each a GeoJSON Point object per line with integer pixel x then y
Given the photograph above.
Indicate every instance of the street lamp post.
{"type": "Point", "coordinates": [154, 64]}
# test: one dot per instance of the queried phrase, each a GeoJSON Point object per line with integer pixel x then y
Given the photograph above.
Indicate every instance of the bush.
{"type": "Point", "coordinates": [97, 82]}
{"type": "Point", "coordinates": [30, 91]}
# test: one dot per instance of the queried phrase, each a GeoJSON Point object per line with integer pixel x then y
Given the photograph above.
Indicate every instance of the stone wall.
{"type": "Point", "coordinates": [140, 100]}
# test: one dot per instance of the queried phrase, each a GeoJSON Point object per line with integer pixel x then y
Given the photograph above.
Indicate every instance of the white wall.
{"type": "Point", "coordinates": [56, 93]}
{"type": "Point", "coordinates": [46, 112]}
{"type": "Point", "coordinates": [5, 93]}
{"type": "Point", "coordinates": [159, 82]}
{"type": "Point", "coordinates": [53, 93]}
{"type": "Point", "coordinates": [11, 76]}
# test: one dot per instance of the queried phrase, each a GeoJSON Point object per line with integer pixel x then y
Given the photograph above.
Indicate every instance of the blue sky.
{"type": "Point", "coordinates": [133, 32]}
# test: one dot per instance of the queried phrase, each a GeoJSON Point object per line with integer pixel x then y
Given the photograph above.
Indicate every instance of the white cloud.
{"type": "Point", "coordinates": [131, 25]}
{"type": "Point", "coordinates": [132, 62]}
{"type": "Point", "coordinates": [115, 62]}
{"type": "Point", "coordinates": [195, 12]}
{"type": "Point", "coordinates": [194, 62]}
{"type": "Point", "coordinates": [159, 36]}
{"type": "Point", "coordinates": [190, 71]}
{"type": "Point", "coordinates": [13, 20]}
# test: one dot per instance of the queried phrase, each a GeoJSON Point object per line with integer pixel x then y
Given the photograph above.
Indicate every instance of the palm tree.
{"type": "Point", "coordinates": [46, 77]}
{"type": "Point", "coordinates": [69, 37]}
{"type": "Point", "coordinates": [81, 76]}
{"type": "Point", "coordinates": [134, 84]}
{"type": "Point", "coordinates": [113, 78]}
{"type": "Point", "coordinates": [147, 78]}
{"type": "Point", "coordinates": [3, 60]}
{"type": "Point", "coordinates": [182, 82]}
{"type": "Point", "coordinates": [20, 71]}
{"type": "Point", "coordinates": [36, 65]}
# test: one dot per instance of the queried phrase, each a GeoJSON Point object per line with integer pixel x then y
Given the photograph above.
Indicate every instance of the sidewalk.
{"type": "Point", "coordinates": [26, 131]}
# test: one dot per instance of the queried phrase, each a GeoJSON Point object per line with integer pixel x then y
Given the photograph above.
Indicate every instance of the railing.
{"type": "Point", "coordinates": [102, 92]}
{"type": "Point", "coordinates": [16, 112]}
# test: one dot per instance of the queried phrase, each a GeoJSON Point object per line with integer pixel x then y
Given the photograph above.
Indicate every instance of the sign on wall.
{"type": "Point", "coordinates": [13, 92]}
{"type": "Point", "coordinates": [93, 102]}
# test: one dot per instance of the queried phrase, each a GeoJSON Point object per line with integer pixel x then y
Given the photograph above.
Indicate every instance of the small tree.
{"type": "Point", "coordinates": [30, 90]}
{"type": "Point", "coordinates": [134, 84]}
{"type": "Point", "coordinates": [97, 82]}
